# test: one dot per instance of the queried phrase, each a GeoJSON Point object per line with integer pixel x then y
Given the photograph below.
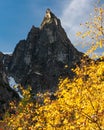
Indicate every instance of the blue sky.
{"type": "Point", "coordinates": [17, 18]}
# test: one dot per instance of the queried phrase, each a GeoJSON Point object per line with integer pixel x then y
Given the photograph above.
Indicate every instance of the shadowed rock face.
{"type": "Point", "coordinates": [40, 59]}
{"type": "Point", "coordinates": [6, 93]}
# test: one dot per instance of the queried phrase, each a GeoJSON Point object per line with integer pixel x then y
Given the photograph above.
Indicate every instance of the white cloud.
{"type": "Point", "coordinates": [74, 13]}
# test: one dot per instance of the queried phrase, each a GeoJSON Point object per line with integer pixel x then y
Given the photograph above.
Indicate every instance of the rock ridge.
{"type": "Point", "coordinates": [40, 59]}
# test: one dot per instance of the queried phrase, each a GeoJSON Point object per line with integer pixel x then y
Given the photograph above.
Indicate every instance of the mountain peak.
{"type": "Point", "coordinates": [49, 18]}
{"type": "Point", "coordinates": [40, 59]}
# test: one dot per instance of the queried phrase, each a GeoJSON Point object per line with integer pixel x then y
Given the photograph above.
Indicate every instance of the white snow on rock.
{"type": "Point", "coordinates": [14, 85]}
{"type": "Point", "coordinates": [38, 73]}
{"type": "Point", "coordinates": [12, 82]}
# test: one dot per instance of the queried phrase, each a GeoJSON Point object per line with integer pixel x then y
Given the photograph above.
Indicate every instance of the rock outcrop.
{"type": "Point", "coordinates": [40, 60]}
{"type": "Point", "coordinates": [6, 93]}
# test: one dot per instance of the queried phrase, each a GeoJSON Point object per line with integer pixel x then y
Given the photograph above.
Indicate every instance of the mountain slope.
{"type": "Point", "coordinates": [6, 93]}
{"type": "Point", "coordinates": [40, 60]}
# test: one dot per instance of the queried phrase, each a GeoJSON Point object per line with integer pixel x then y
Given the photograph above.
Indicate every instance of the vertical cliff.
{"type": "Point", "coordinates": [40, 59]}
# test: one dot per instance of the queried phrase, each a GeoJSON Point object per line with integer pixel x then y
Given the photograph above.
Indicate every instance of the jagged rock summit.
{"type": "Point", "coordinates": [40, 59]}
{"type": "Point", "coordinates": [49, 18]}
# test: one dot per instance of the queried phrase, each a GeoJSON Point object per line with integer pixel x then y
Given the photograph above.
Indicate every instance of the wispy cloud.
{"type": "Point", "coordinates": [74, 13]}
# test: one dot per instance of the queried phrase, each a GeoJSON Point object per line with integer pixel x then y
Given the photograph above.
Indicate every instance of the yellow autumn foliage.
{"type": "Point", "coordinates": [94, 30]}
{"type": "Point", "coordinates": [78, 103]}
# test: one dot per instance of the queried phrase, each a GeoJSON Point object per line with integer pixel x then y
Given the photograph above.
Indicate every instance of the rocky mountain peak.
{"type": "Point", "coordinates": [40, 60]}
{"type": "Point", "coordinates": [49, 18]}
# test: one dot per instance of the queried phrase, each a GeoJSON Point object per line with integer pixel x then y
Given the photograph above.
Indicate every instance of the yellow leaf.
{"type": "Point", "coordinates": [20, 128]}
{"type": "Point", "coordinates": [100, 43]}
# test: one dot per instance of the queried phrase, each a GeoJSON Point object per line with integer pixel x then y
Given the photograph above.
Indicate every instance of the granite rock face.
{"type": "Point", "coordinates": [40, 60]}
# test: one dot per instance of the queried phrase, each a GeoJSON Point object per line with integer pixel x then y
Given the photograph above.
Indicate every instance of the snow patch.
{"type": "Point", "coordinates": [38, 73]}
{"type": "Point", "coordinates": [14, 85]}
{"type": "Point", "coordinates": [12, 82]}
